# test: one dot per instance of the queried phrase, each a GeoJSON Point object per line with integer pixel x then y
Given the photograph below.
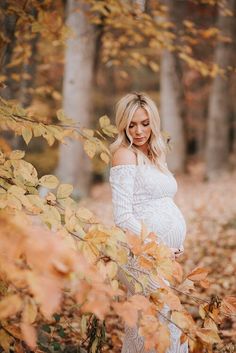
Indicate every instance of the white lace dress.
{"type": "Point", "coordinates": [143, 192]}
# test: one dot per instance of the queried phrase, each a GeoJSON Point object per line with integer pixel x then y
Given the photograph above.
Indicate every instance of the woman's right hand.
{"type": "Point", "coordinates": [176, 252]}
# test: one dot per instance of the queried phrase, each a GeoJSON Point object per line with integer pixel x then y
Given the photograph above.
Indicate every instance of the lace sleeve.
{"type": "Point", "coordinates": [122, 179]}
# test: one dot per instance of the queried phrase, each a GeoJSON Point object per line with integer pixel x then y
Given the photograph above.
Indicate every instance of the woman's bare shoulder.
{"type": "Point", "coordinates": [123, 155]}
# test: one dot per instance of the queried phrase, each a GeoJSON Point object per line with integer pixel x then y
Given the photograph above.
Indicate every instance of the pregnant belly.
{"type": "Point", "coordinates": [164, 218]}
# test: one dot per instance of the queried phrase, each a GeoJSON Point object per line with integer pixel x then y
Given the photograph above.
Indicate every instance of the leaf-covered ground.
{"type": "Point", "coordinates": [210, 212]}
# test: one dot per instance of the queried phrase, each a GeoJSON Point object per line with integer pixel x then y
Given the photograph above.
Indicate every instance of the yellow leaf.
{"type": "Point", "coordinates": [94, 346]}
{"type": "Point", "coordinates": [38, 130]}
{"type": "Point", "coordinates": [64, 190]}
{"type": "Point", "coordinates": [104, 121]}
{"type": "Point", "coordinates": [49, 181]}
{"type": "Point", "coordinates": [84, 214]}
{"type": "Point", "coordinates": [30, 311]}
{"type": "Point", "coordinates": [90, 148]}
{"type": "Point", "coordinates": [16, 191]}
{"type": "Point", "coordinates": [154, 66]}
{"type": "Point", "coordinates": [14, 202]}
{"type": "Point", "coordinates": [5, 340]}
{"type": "Point", "coordinates": [36, 201]}
{"type": "Point", "coordinates": [17, 154]}
{"type": "Point", "coordinates": [88, 132]}
{"type": "Point", "coordinates": [27, 134]}
{"type": "Point", "coordinates": [10, 306]}
{"type": "Point", "coordinates": [25, 170]}
{"type": "Point", "coordinates": [61, 115]}
{"type": "Point", "coordinates": [111, 269]}
{"type": "Point", "coordinates": [105, 157]}
{"type": "Point", "coordinates": [83, 324]}
{"type": "Point", "coordinates": [114, 284]}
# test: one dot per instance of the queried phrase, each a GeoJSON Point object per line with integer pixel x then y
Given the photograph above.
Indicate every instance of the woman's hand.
{"type": "Point", "coordinates": [176, 252]}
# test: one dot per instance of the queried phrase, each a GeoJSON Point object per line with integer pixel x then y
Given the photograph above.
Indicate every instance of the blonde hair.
{"type": "Point", "coordinates": [125, 109]}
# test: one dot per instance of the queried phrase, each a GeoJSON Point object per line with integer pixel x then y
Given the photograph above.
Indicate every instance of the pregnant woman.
{"type": "Point", "coordinates": [142, 190]}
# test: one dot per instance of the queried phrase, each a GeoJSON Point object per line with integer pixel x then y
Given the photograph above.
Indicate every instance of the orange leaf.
{"type": "Point", "coordinates": [172, 301]}
{"type": "Point", "coordinates": [228, 305]}
{"type": "Point", "coordinates": [10, 306]}
{"type": "Point", "coordinates": [145, 263]}
{"type": "Point", "coordinates": [29, 335]}
{"type": "Point", "coordinates": [183, 319]}
{"type": "Point", "coordinates": [208, 335]}
{"type": "Point", "coordinates": [134, 242]}
{"type": "Point", "coordinates": [186, 286]}
{"type": "Point", "coordinates": [177, 271]}
{"type": "Point", "coordinates": [163, 339]}
{"type": "Point", "coordinates": [127, 312]}
{"type": "Point", "coordinates": [198, 274]}
{"type": "Point", "coordinates": [205, 283]}
{"type": "Point", "coordinates": [140, 302]}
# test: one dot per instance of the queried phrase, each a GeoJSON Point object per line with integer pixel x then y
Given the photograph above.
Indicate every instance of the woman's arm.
{"type": "Point", "coordinates": [122, 178]}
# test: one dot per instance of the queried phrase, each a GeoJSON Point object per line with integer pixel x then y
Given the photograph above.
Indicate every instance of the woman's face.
{"type": "Point", "coordinates": [139, 127]}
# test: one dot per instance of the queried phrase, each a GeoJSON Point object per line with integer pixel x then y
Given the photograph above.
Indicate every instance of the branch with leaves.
{"type": "Point", "coordinates": [80, 275]}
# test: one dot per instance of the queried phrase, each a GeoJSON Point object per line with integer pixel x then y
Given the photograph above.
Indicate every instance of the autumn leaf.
{"type": "Point", "coordinates": [104, 121]}
{"type": "Point", "coordinates": [49, 181]}
{"type": "Point", "coordinates": [228, 305]}
{"type": "Point", "coordinates": [127, 312]}
{"type": "Point", "coordinates": [172, 301]}
{"type": "Point", "coordinates": [208, 335]}
{"type": "Point", "coordinates": [29, 313]}
{"type": "Point", "coordinates": [90, 148]}
{"type": "Point", "coordinates": [198, 274]}
{"type": "Point", "coordinates": [5, 340]}
{"type": "Point", "coordinates": [64, 190]}
{"type": "Point", "coordinates": [104, 157]}
{"type": "Point", "coordinates": [29, 335]}
{"type": "Point", "coordinates": [27, 134]}
{"type": "Point", "coordinates": [134, 242]}
{"type": "Point", "coordinates": [10, 305]}
{"type": "Point", "coordinates": [17, 154]}
{"type": "Point", "coordinates": [187, 286]}
{"type": "Point", "coordinates": [183, 319]}
{"type": "Point", "coordinates": [84, 214]}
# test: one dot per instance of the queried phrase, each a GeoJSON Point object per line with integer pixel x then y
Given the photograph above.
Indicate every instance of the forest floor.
{"type": "Point", "coordinates": [210, 212]}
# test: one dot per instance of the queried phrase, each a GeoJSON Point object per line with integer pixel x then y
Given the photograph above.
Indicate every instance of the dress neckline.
{"type": "Point", "coordinates": [120, 166]}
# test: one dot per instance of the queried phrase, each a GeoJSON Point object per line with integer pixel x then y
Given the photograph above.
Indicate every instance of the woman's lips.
{"type": "Point", "coordinates": [139, 138]}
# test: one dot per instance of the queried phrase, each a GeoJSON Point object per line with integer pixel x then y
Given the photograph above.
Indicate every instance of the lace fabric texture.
{"type": "Point", "coordinates": [144, 193]}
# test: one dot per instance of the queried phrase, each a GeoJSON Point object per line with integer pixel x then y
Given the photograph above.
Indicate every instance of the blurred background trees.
{"type": "Point", "coordinates": [82, 56]}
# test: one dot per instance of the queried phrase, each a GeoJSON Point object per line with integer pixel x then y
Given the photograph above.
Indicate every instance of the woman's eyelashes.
{"type": "Point", "coordinates": [144, 124]}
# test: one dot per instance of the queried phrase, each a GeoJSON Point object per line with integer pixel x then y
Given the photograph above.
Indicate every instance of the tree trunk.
{"type": "Point", "coordinates": [171, 110]}
{"type": "Point", "coordinates": [217, 147]}
{"type": "Point", "coordinates": [74, 165]}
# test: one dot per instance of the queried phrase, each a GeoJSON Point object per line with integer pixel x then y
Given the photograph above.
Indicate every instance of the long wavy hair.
{"type": "Point", "coordinates": [125, 109]}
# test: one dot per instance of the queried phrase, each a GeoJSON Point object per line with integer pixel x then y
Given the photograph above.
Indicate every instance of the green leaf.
{"type": "Point", "coordinates": [49, 181]}
{"type": "Point", "coordinates": [57, 317]}
{"type": "Point", "coordinates": [46, 328]}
